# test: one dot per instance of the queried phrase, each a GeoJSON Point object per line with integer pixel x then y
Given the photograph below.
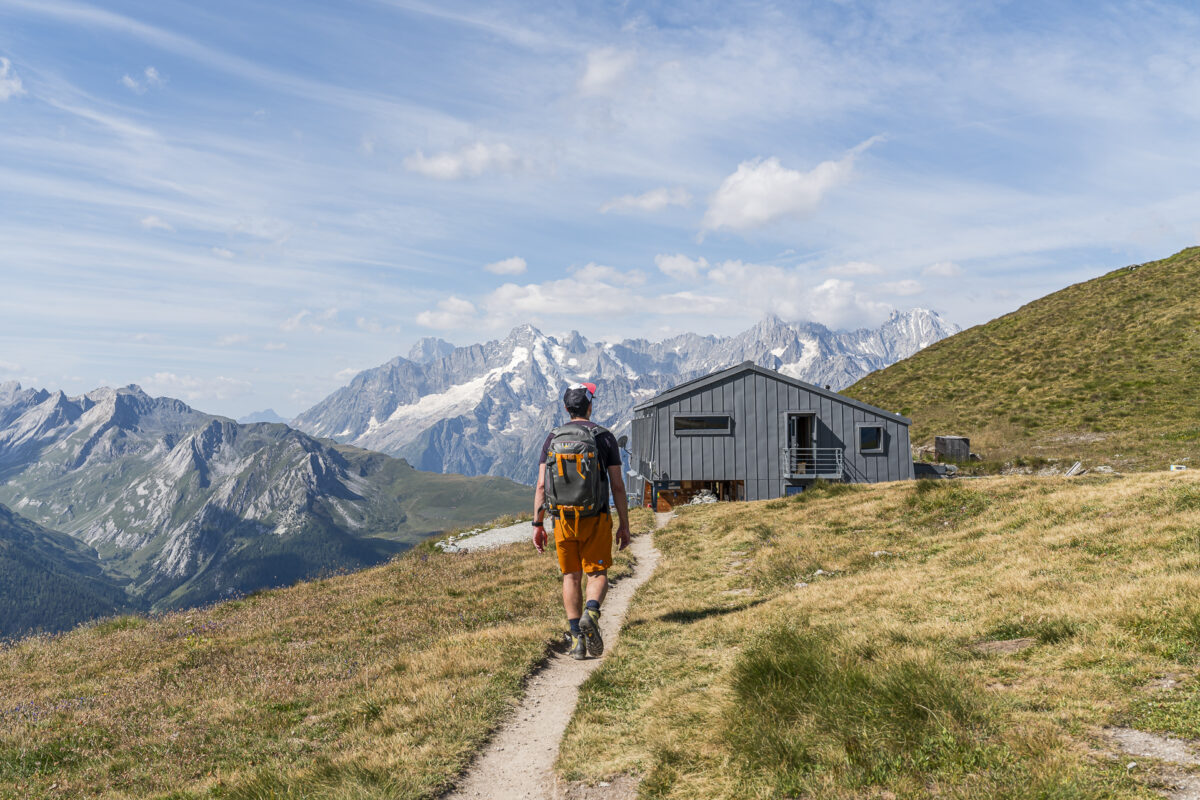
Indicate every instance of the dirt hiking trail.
{"type": "Point", "coordinates": [518, 761]}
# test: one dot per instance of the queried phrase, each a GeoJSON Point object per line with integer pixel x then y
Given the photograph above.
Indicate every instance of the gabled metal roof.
{"type": "Point", "coordinates": [750, 366]}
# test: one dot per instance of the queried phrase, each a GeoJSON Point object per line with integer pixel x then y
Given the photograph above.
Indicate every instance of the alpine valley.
{"type": "Point", "coordinates": [176, 508]}
{"type": "Point", "coordinates": [485, 409]}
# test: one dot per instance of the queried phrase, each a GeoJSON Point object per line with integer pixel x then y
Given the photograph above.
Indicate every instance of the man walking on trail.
{"type": "Point", "coordinates": [580, 464]}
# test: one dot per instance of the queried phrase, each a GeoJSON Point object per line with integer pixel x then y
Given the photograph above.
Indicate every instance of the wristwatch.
{"type": "Point", "coordinates": [537, 524]}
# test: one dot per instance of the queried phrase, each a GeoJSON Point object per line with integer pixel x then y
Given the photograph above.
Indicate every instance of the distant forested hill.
{"type": "Point", "coordinates": [48, 580]}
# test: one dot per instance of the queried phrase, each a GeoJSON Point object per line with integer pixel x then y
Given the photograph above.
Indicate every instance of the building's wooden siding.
{"type": "Point", "coordinates": [758, 404]}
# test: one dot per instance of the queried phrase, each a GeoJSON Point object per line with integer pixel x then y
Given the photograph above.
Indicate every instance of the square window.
{"type": "Point", "coordinates": [870, 438]}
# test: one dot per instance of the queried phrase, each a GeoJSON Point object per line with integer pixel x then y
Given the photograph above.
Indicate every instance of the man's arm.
{"type": "Point", "coordinates": [617, 482]}
{"type": "Point", "coordinates": [539, 510]}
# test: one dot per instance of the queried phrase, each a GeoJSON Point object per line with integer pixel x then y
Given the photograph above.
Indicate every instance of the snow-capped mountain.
{"type": "Point", "coordinates": [185, 507]}
{"type": "Point", "coordinates": [485, 409]}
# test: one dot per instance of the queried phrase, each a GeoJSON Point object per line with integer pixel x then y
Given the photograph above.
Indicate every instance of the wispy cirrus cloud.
{"type": "Point", "coordinates": [605, 68]}
{"type": "Point", "coordinates": [195, 389]}
{"type": "Point", "coordinates": [943, 269]}
{"type": "Point", "coordinates": [470, 161]}
{"type": "Point", "coordinates": [153, 222]}
{"type": "Point", "coordinates": [508, 266]}
{"type": "Point", "coordinates": [10, 82]}
{"type": "Point", "coordinates": [653, 200]}
{"type": "Point", "coordinates": [149, 79]}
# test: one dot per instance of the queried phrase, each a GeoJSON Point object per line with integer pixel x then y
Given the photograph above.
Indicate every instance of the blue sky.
{"type": "Point", "coordinates": [241, 204]}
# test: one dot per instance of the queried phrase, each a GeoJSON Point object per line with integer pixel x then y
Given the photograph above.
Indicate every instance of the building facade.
{"type": "Point", "coordinates": [750, 433]}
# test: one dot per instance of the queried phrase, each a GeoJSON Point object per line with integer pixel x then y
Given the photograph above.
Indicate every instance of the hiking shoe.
{"type": "Point", "coordinates": [578, 649]}
{"type": "Point", "coordinates": [589, 624]}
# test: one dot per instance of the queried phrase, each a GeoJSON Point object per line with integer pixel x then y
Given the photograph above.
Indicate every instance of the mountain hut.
{"type": "Point", "coordinates": [751, 433]}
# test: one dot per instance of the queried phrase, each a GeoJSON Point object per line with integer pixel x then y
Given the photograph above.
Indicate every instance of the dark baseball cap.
{"type": "Point", "coordinates": [578, 394]}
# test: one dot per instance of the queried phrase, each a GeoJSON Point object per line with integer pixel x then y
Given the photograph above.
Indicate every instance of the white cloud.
{"type": "Point", "coordinates": [275, 346]}
{"type": "Point", "coordinates": [468, 162]}
{"type": "Point", "coordinates": [345, 375]}
{"type": "Point", "coordinates": [763, 288]}
{"type": "Point", "coordinates": [304, 320]}
{"type": "Point", "coordinates": [904, 288]}
{"type": "Point", "coordinates": [509, 266]}
{"type": "Point", "coordinates": [150, 77]}
{"type": "Point", "coordinates": [764, 191]}
{"type": "Point", "coordinates": [608, 291]}
{"type": "Point", "coordinates": [605, 67]}
{"type": "Point", "coordinates": [221, 252]}
{"type": "Point", "coordinates": [653, 200]}
{"type": "Point", "coordinates": [232, 339]}
{"type": "Point", "coordinates": [855, 269]}
{"type": "Point", "coordinates": [10, 83]}
{"type": "Point", "coordinates": [680, 266]}
{"type": "Point", "coordinates": [190, 388]}
{"type": "Point", "coordinates": [367, 146]}
{"type": "Point", "coordinates": [9, 366]}
{"type": "Point", "coordinates": [451, 313]}
{"type": "Point", "coordinates": [943, 269]}
{"type": "Point", "coordinates": [154, 222]}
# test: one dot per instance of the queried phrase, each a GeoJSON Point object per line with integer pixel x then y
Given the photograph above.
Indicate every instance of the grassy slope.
{"type": "Point", "coordinates": [1104, 371]}
{"type": "Point", "coordinates": [733, 681]}
{"type": "Point", "coordinates": [379, 683]}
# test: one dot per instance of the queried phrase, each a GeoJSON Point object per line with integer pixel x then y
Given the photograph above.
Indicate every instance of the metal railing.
{"type": "Point", "coordinates": [813, 462]}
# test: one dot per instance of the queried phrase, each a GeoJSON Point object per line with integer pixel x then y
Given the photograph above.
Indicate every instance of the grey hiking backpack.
{"type": "Point", "coordinates": [576, 482]}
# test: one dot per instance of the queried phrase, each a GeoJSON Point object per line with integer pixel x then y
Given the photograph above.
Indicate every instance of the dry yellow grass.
{"type": "Point", "coordinates": [731, 678]}
{"type": "Point", "coordinates": [380, 683]}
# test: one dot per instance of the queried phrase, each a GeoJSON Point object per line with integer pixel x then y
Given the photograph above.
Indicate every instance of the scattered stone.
{"type": "Point", "coordinates": [1004, 645]}
{"type": "Point", "coordinates": [882, 553]}
{"type": "Point", "coordinates": [1153, 745]}
{"type": "Point", "coordinates": [1103, 468]}
{"type": "Point", "coordinates": [801, 585]}
{"type": "Point", "coordinates": [1168, 681]}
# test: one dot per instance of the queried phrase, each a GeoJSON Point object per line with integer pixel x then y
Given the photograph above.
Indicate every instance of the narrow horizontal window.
{"type": "Point", "coordinates": [870, 439]}
{"type": "Point", "coordinates": [699, 424]}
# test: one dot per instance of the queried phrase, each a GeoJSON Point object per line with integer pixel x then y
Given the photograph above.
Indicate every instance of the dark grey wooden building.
{"type": "Point", "coordinates": [750, 433]}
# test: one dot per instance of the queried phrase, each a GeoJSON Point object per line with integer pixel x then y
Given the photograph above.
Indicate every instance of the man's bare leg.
{"type": "Point", "coordinates": [597, 586]}
{"type": "Point", "coordinates": [573, 594]}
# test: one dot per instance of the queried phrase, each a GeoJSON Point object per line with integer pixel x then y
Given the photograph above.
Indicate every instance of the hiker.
{"type": "Point", "coordinates": [580, 461]}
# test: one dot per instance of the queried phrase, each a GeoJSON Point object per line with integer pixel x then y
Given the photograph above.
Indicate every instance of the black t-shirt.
{"type": "Point", "coordinates": [608, 452]}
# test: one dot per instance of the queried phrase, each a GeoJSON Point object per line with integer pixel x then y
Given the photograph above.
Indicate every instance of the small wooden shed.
{"type": "Point", "coordinates": [751, 433]}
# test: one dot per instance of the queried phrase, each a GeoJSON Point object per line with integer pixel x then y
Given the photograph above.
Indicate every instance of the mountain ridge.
{"type": "Point", "coordinates": [183, 507]}
{"type": "Point", "coordinates": [484, 408]}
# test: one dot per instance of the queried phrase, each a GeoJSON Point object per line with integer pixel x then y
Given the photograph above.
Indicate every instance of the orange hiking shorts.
{"type": "Point", "coordinates": [585, 545]}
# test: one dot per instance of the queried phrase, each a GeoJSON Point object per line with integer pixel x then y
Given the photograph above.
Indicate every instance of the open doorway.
{"type": "Point", "coordinates": [800, 430]}
{"type": "Point", "coordinates": [683, 492]}
{"type": "Point", "coordinates": [800, 457]}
